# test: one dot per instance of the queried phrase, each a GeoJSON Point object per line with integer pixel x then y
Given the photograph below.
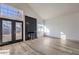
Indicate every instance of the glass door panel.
{"type": "Point", "coordinates": [6, 31]}
{"type": "Point", "coordinates": [18, 30]}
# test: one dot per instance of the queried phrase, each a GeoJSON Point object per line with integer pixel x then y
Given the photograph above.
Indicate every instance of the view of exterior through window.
{"type": "Point", "coordinates": [10, 12]}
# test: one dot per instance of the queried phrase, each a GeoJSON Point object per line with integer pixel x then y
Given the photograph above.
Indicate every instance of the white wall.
{"type": "Point", "coordinates": [68, 24]}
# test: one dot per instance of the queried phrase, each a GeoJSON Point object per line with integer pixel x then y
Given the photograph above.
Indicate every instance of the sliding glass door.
{"type": "Point", "coordinates": [6, 31]}
{"type": "Point", "coordinates": [18, 30]}
{"type": "Point", "coordinates": [10, 31]}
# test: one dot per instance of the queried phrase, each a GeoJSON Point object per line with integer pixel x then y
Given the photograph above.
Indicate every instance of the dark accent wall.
{"type": "Point", "coordinates": [30, 27]}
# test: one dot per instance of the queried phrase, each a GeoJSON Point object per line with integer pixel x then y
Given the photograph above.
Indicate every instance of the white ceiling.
{"type": "Point", "coordinates": [47, 11]}
{"type": "Point", "coordinates": [50, 10]}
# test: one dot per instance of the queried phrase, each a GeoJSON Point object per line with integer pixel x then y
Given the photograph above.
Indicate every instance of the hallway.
{"type": "Point", "coordinates": [43, 46]}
